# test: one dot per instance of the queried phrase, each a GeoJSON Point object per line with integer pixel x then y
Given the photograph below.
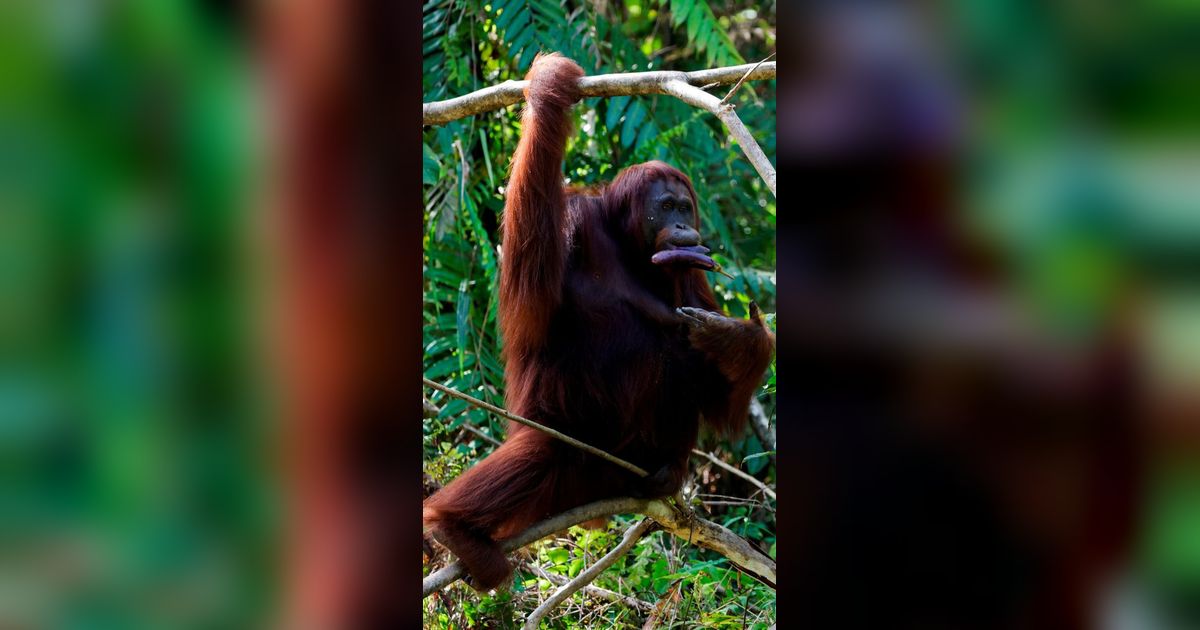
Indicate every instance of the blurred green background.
{"type": "Point", "coordinates": [1084, 171]}
{"type": "Point", "coordinates": [133, 491]}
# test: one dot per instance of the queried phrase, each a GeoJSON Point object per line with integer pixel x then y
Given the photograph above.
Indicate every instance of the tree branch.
{"type": "Point", "coordinates": [696, 97]}
{"type": "Point", "coordinates": [712, 536]}
{"type": "Point", "coordinates": [682, 85]}
{"type": "Point", "coordinates": [512, 92]}
{"type": "Point", "coordinates": [632, 535]}
{"type": "Point", "coordinates": [743, 79]}
{"type": "Point", "coordinates": [684, 524]}
{"type": "Point", "coordinates": [762, 426]}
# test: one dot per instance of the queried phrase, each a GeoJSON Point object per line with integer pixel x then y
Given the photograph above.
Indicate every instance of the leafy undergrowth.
{"type": "Point", "coordinates": [682, 586]}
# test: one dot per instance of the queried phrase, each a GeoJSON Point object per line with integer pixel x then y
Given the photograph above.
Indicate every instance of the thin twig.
{"type": "Point", "coordinates": [540, 427]}
{"type": "Point", "coordinates": [742, 503]}
{"type": "Point", "coordinates": [632, 535]}
{"type": "Point", "coordinates": [598, 592]}
{"type": "Point", "coordinates": [431, 411]}
{"type": "Point", "coordinates": [486, 437]}
{"type": "Point", "coordinates": [696, 97]}
{"type": "Point", "coordinates": [666, 605]}
{"type": "Point", "coordinates": [462, 177]}
{"type": "Point", "coordinates": [743, 79]}
{"type": "Point", "coordinates": [747, 476]}
{"type": "Point", "coordinates": [706, 495]}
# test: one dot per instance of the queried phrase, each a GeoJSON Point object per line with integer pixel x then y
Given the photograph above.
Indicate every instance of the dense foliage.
{"type": "Point", "coordinates": [471, 44]}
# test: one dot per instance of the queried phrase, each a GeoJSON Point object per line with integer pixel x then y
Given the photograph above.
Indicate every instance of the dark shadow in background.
{"type": "Point", "coordinates": [352, 238]}
{"type": "Point", "coordinates": [950, 459]}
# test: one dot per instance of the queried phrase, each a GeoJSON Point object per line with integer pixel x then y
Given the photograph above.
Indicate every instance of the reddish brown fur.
{"type": "Point", "coordinates": [593, 346]}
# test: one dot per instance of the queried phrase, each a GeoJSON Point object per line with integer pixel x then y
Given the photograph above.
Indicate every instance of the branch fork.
{"type": "Point", "coordinates": [686, 86]}
{"type": "Point", "coordinates": [696, 530]}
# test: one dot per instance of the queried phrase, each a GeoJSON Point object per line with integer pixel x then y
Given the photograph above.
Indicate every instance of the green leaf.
{"type": "Point", "coordinates": [518, 17]}
{"type": "Point", "coordinates": [680, 10]}
{"type": "Point", "coordinates": [648, 133]}
{"type": "Point", "coordinates": [632, 125]}
{"type": "Point", "coordinates": [549, 12]}
{"type": "Point", "coordinates": [693, 22]}
{"type": "Point", "coordinates": [431, 168]}
{"type": "Point", "coordinates": [558, 555]}
{"type": "Point", "coordinates": [447, 213]}
{"type": "Point", "coordinates": [452, 408]}
{"type": "Point", "coordinates": [755, 465]}
{"type": "Point", "coordinates": [487, 160]}
{"type": "Point", "coordinates": [432, 19]}
{"type": "Point", "coordinates": [709, 42]}
{"type": "Point", "coordinates": [442, 368]}
{"type": "Point", "coordinates": [616, 107]}
{"type": "Point", "coordinates": [437, 347]}
{"type": "Point", "coordinates": [528, 54]}
{"type": "Point", "coordinates": [462, 316]}
{"type": "Point", "coordinates": [519, 38]}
